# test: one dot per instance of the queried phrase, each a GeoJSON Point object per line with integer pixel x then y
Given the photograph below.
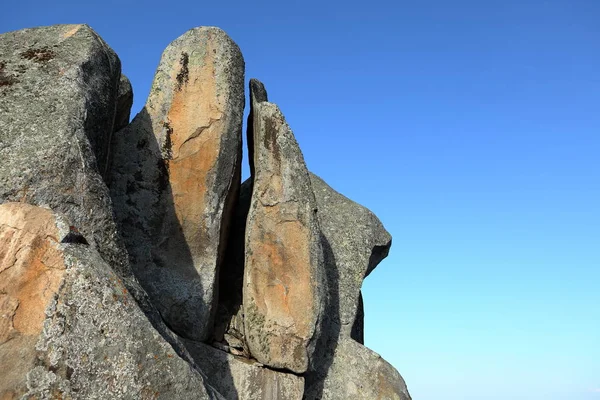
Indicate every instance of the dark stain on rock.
{"type": "Point", "coordinates": [41, 55]}
{"type": "Point", "coordinates": [163, 175]}
{"type": "Point", "coordinates": [74, 236]}
{"type": "Point", "coordinates": [6, 80]}
{"type": "Point", "coordinates": [183, 75]}
{"type": "Point", "coordinates": [270, 138]}
{"type": "Point", "coordinates": [167, 148]}
{"type": "Point", "coordinates": [131, 188]}
{"type": "Point", "coordinates": [142, 143]}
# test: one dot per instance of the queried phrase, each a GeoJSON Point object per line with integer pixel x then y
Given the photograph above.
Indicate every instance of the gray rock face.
{"type": "Point", "coordinates": [69, 328]}
{"type": "Point", "coordinates": [360, 373]}
{"type": "Point", "coordinates": [355, 242]}
{"type": "Point", "coordinates": [57, 105]}
{"type": "Point", "coordinates": [241, 378]}
{"type": "Point", "coordinates": [176, 174]}
{"type": "Point", "coordinates": [284, 270]}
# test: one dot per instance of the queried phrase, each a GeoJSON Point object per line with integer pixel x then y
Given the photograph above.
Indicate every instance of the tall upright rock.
{"type": "Point", "coordinates": [176, 174]}
{"type": "Point", "coordinates": [284, 269]}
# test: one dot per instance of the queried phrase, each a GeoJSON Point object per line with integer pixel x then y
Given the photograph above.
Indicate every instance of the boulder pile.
{"type": "Point", "coordinates": [135, 264]}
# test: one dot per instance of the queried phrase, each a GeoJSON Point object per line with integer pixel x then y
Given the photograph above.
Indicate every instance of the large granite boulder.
{"type": "Point", "coordinates": [176, 173]}
{"type": "Point", "coordinates": [69, 328]}
{"type": "Point", "coordinates": [284, 267]}
{"type": "Point", "coordinates": [238, 377]}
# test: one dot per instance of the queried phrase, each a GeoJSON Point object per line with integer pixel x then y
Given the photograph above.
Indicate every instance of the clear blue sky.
{"type": "Point", "coordinates": [471, 128]}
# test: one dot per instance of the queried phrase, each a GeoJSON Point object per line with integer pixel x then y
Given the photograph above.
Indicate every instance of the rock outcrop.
{"type": "Point", "coordinates": [176, 174]}
{"type": "Point", "coordinates": [284, 268]}
{"type": "Point", "coordinates": [247, 292]}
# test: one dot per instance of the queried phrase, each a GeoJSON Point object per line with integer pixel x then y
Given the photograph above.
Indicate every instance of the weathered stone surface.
{"type": "Point", "coordinates": [359, 373]}
{"type": "Point", "coordinates": [240, 378]}
{"type": "Point", "coordinates": [355, 241]}
{"type": "Point", "coordinates": [283, 276]}
{"type": "Point", "coordinates": [176, 173]}
{"type": "Point", "coordinates": [69, 328]}
{"type": "Point", "coordinates": [57, 106]}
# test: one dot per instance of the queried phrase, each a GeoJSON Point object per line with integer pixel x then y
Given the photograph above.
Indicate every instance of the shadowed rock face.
{"type": "Point", "coordinates": [176, 174]}
{"type": "Point", "coordinates": [283, 277]}
{"type": "Point", "coordinates": [68, 326]}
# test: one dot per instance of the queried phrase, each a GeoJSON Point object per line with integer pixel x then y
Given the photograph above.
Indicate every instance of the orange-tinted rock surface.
{"type": "Point", "coordinates": [31, 271]}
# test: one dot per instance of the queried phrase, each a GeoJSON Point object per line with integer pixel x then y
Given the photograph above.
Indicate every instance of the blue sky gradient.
{"type": "Point", "coordinates": [471, 128]}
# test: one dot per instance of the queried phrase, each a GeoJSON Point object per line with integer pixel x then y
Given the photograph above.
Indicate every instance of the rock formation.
{"type": "Point", "coordinates": [132, 262]}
